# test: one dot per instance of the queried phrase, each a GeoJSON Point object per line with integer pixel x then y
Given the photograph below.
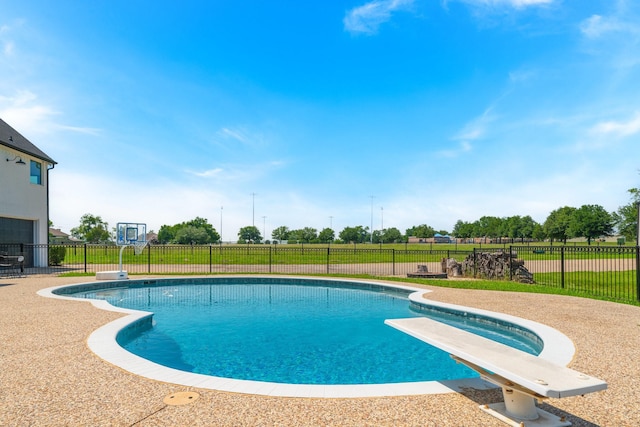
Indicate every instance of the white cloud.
{"type": "Point", "coordinates": [23, 111]}
{"type": "Point", "coordinates": [368, 17]}
{"type": "Point", "coordinates": [518, 4]}
{"type": "Point", "coordinates": [618, 128]}
{"type": "Point", "coordinates": [461, 148]}
{"type": "Point", "coordinates": [522, 75]}
{"type": "Point", "coordinates": [8, 48]}
{"type": "Point", "coordinates": [233, 135]}
{"type": "Point", "coordinates": [597, 26]}
{"type": "Point", "coordinates": [239, 173]}
{"type": "Point", "coordinates": [236, 134]}
{"type": "Point", "coordinates": [477, 128]}
{"type": "Point", "coordinates": [209, 173]}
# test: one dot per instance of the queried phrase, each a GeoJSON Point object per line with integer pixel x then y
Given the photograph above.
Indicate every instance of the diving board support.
{"type": "Point", "coordinates": [519, 403]}
{"type": "Point", "coordinates": [523, 377]}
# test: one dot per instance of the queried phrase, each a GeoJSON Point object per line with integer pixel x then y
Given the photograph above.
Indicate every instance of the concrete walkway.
{"type": "Point", "coordinates": [48, 376]}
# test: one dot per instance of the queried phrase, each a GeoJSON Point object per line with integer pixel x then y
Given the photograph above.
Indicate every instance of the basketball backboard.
{"type": "Point", "coordinates": [131, 233]}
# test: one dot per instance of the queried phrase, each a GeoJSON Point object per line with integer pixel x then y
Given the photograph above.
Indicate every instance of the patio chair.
{"type": "Point", "coordinates": [11, 266]}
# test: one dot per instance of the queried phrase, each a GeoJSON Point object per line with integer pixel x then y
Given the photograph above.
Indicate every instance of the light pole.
{"type": "Point", "coordinates": [638, 227]}
{"type": "Point", "coordinates": [381, 223]}
{"type": "Point", "coordinates": [264, 227]}
{"type": "Point", "coordinates": [253, 209]}
{"type": "Point", "coordinates": [220, 224]}
{"type": "Point", "coordinates": [371, 230]}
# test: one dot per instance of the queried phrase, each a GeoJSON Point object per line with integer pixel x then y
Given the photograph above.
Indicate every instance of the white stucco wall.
{"type": "Point", "coordinates": [19, 198]}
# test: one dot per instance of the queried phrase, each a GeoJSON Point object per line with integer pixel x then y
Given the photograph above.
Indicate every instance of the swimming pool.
{"type": "Point", "coordinates": [253, 318]}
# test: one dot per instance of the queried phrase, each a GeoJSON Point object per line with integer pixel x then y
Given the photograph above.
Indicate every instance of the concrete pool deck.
{"type": "Point", "coordinates": [49, 377]}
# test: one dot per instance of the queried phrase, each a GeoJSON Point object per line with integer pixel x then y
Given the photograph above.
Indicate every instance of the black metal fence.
{"type": "Point", "coordinates": [605, 271]}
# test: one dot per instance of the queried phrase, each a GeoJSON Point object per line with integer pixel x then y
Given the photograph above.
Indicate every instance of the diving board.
{"type": "Point", "coordinates": [522, 376]}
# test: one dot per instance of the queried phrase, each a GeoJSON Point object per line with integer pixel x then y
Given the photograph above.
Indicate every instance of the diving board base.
{"type": "Point", "coordinates": [111, 275]}
{"type": "Point", "coordinates": [544, 419]}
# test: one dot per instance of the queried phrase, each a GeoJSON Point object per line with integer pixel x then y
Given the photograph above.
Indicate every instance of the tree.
{"type": "Point", "coordinates": [591, 221]}
{"type": "Point", "coordinates": [421, 231]}
{"type": "Point", "coordinates": [304, 235]}
{"type": "Point", "coordinates": [463, 229]}
{"type": "Point", "coordinates": [557, 225]}
{"type": "Point", "coordinates": [538, 233]}
{"type": "Point", "coordinates": [357, 234]}
{"type": "Point", "coordinates": [327, 235]}
{"type": "Point", "coordinates": [92, 229]}
{"type": "Point", "coordinates": [249, 234]}
{"type": "Point", "coordinates": [391, 235]}
{"type": "Point", "coordinates": [488, 226]}
{"type": "Point", "coordinates": [200, 232]}
{"type": "Point", "coordinates": [626, 217]}
{"type": "Point", "coordinates": [167, 233]}
{"type": "Point", "coordinates": [281, 233]}
{"type": "Point", "coordinates": [203, 224]}
{"type": "Point", "coordinates": [192, 235]}
{"type": "Point", "coordinates": [518, 227]}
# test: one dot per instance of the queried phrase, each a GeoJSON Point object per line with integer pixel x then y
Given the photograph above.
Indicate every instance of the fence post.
{"type": "Point", "coordinates": [475, 263]}
{"type": "Point", "coordinates": [328, 253]}
{"type": "Point", "coordinates": [270, 259]}
{"type": "Point", "coordinates": [510, 263]}
{"type": "Point", "coordinates": [562, 267]}
{"type": "Point", "coordinates": [149, 258]}
{"type": "Point", "coordinates": [638, 273]}
{"type": "Point", "coordinates": [85, 257]}
{"type": "Point", "coordinates": [210, 259]}
{"type": "Point", "coordinates": [393, 261]}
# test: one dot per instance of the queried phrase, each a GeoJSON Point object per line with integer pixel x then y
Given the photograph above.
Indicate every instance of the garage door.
{"type": "Point", "coordinates": [16, 231]}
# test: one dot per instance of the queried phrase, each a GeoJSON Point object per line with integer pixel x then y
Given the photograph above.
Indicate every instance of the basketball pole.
{"type": "Point", "coordinates": [120, 257]}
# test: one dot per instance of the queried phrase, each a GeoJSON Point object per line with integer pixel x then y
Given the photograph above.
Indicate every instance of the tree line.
{"type": "Point", "coordinates": [587, 221]}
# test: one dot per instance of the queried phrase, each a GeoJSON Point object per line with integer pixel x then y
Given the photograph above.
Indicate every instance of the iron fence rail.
{"type": "Point", "coordinates": [610, 272]}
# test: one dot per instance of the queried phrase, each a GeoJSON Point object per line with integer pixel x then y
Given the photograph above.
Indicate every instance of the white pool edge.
{"type": "Point", "coordinates": [558, 348]}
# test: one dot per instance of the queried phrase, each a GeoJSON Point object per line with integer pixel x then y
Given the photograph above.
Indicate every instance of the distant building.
{"type": "Point", "coordinates": [152, 238]}
{"type": "Point", "coordinates": [437, 238]}
{"type": "Point", "coordinates": [24, 193]}
{"type": "Point", "coordinates": [57, 236]}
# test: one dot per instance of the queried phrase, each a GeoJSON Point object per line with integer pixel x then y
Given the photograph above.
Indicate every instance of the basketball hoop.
{"type": "Point", "coordinates": [139, 246]}
{"type": "Point", "coordinates": [127, 234]}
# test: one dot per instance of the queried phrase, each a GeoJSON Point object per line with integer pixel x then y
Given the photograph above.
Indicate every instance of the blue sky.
{"type": "Point", "coordinates": [296, 114]}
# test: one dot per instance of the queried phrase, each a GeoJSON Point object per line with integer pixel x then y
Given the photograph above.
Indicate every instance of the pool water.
{"type": "Point", "coordinates": [288, 333]}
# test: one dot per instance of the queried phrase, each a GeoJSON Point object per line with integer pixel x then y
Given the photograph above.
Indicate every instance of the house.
{"type": "Point", "coordinates": [59, 237]}
{"type": "Point", "coordinates": [24, 193]}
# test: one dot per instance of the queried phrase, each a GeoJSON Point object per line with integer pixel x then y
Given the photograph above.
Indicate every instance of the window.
{"type": "Point", "coordinates": [36, 173]}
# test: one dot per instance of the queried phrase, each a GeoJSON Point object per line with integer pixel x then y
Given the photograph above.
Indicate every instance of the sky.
{"type": "Point", "coordinates": [383, 113]}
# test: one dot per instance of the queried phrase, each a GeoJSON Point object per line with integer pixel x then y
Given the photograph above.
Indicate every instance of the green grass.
{"type": "Point", "coordinates": [323, 254]}
{"type": "Point", "coordinates": [506, 286]}
{"type": "Point", "coordinates": [76, 274]}
{"type": "Point", "coordinates": [618, 285]}
{"type": "Point", "coordinates": [256, 255]}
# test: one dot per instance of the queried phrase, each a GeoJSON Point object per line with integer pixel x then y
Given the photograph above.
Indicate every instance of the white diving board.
{"type": "Point", "coordinates": [522, 376]}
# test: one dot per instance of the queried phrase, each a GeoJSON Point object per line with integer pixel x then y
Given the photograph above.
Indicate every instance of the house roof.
{"type": "Point", "coordinates": [9, 137]}
{"type": "Point", "coordinates": [56, 232]}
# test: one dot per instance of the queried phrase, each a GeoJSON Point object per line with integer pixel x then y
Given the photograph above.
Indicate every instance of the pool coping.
{"type": "Point", "coordinates": [558, 348]}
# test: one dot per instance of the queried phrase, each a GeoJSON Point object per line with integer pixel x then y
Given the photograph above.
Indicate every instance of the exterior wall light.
{"type": "Point", "coordinates": [18, 162]}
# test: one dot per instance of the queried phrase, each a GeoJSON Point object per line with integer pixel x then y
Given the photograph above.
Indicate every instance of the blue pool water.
{"type": "Point", "coordinates": [290, 332]}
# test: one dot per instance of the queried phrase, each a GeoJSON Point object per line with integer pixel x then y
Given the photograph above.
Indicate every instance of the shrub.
{"type": "Point", "coordinates": [57, 254]}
